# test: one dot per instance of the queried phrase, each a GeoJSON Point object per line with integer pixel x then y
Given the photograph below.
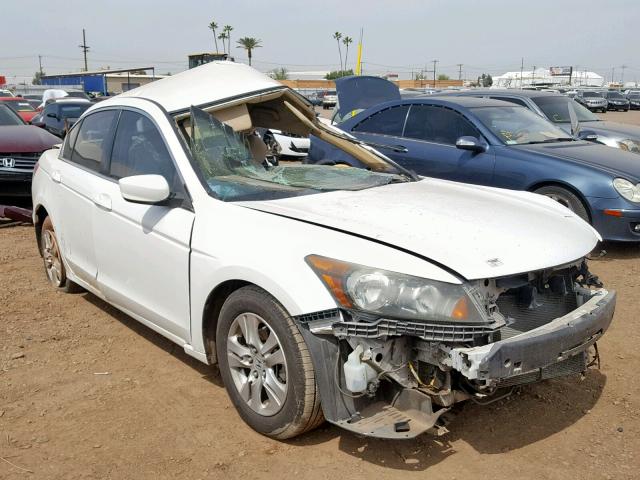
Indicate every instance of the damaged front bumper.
{"type": "Point", "coordinates": [537, 349]}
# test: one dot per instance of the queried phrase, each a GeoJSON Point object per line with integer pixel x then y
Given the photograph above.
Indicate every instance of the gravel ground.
{"type": "Point", "coordinates": [86, 392]}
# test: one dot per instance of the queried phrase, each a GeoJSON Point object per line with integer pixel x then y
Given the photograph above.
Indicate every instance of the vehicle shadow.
{"type": "Point", "coordinates": [531, 414]}
{"type": "Point", "coordinates": [607, 251]}
{"type": "Point", "coordinates": [207, 372]}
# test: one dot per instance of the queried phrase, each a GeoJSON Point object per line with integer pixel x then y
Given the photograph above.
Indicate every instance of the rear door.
{"type": "Point", "coordinates": [84, 159]}
{"type": "Point", "coordinates": [143, 250]}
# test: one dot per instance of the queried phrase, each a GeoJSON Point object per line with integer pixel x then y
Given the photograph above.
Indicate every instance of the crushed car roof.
{"type": "Point", "coordinates": [203, 85]}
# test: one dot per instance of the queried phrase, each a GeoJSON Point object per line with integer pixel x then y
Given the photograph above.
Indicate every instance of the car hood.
{"type": "Point", "coordinates": [612, 160]}
{"type": "Point", "coordinates": [478, 232]}
{"type": "Point", "coordinates": [362, 92]}
{"type": "Point", "coordinates": [607, 128]}
{"type": "Point", "coordinates": [26, 139]}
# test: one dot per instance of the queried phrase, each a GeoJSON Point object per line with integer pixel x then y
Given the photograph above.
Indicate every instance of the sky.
{"type": "Point", "coordinates": [401, 36]}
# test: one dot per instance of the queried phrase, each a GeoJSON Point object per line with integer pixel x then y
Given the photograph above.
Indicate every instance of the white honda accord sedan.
{"type": "Point", "coordinates": [371, 298]}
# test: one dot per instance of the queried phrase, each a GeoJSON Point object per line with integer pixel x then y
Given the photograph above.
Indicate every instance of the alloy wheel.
{"type": "Point", "coordinates": [257, 364]}
{"type": "Point", "coordinates": [52, 259]}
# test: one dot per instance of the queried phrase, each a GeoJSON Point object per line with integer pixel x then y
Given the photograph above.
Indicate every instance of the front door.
{"type": "Point", "coordinates": [143, 250]}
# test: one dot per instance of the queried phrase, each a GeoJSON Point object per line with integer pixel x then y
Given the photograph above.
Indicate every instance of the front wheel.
{"type": "Point", "coordinates": [265, 365]}
{"type": "Point", "coordinates": [567, 199]}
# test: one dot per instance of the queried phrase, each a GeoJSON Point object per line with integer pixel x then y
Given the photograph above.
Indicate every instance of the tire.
{"type": "Point", "coordinates": [254, 381]}
{"type": "Point", "coordinates": [53, 261]}
{"type": "Point", "coordinates": [566, 198]}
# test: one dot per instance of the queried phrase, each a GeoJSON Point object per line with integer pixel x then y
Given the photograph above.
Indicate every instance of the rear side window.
{"type": "Point", "coordinates": [385, 122]}
{"type": "Point", "coordinates": [517, 101]}
{"type": "Point", "coordinates": [93, 139]}
{"type": "Point", "coordinates": [437, 125]}
{"type": "Point", "coordinates": [138, 149]}
{"type": "Point", "coordinates": [70, 140]}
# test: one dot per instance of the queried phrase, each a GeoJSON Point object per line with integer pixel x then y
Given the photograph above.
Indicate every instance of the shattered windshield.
{"type": "Point", "coordinates": [234, 167]}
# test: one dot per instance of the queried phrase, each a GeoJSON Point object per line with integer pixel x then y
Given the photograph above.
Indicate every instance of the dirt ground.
{"type": "Point", "coordinates": [86, 392]}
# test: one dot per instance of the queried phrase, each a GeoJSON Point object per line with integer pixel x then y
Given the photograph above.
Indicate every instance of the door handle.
{"type": "Point", "coordinates": [55, 176]}
{"type": "Point", "coordinates": [103, 201]}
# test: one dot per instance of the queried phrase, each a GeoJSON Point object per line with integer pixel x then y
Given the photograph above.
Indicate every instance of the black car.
{"type": "Point", "coordinates": [634, 100]}
{"type": "Point", "coordinates": [58, 117]}
{"type": "Point", "coordinates": [617, 101]}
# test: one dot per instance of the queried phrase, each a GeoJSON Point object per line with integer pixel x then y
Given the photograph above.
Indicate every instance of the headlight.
{"type": "Point", "coordinates": [397, 295]}
{"type": "Point", "coordinates": [627, 189]}
{"type": "Point", "coordinates": [629, 145]}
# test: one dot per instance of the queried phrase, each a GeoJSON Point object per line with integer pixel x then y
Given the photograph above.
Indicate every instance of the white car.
{"type": "Point", "coordinates": [288, 145]}
{"type": "Point", "coordinates": [367, 297]}
{"type": "Point", "coordinates": [329, 100]}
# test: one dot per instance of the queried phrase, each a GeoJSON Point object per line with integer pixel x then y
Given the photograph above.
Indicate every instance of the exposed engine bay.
{"type": "Point", "coordinates": [395, 378]}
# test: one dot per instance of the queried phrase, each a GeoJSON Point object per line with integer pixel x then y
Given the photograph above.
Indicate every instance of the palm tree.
{"type": "Point", "coordinates": [227, 29]}
{"type": "Point", "coordinates": [249, 43]}
{"type": "Point", "coordinates": [213, 26]}
{"type": "Point", "coordinates": [347, 40]}
{"type": "Point", "coordinates": [223, 36]}
{"type": "Point", "coordinates": [337, 36]}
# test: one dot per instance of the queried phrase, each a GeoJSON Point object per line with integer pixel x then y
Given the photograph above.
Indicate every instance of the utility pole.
{"type": "Point", "coordinates": [521, 71]}
{"type": "Point", "coordinates": [622, 74]}
{"type": "Point", "coordinates": [459, 71]}
{"type": "Point", "coordinates": [85, 49]}
{"type": "Point", "coordinates": [613, 71]}
{"type": "Point", "coordinates": [40, 63]}
{"type": "Point", "coordinates": [435, 62]}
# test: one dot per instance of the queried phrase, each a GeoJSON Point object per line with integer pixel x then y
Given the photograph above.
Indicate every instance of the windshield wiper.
{"type": "Point", "coordinates": [551, 140]}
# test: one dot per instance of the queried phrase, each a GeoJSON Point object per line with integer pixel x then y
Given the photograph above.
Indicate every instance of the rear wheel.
{"type": "Point", "coordinates": [265, 365]}
{"type": "Point", "coordinates": [53, 263]}
{"type": "Point", "coordinates": [567, 199]}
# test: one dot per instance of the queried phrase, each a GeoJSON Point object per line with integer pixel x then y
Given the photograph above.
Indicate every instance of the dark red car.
{"type": "Point", "coordinates": [20, 148]}
{"type": "Point", "coordinates": [21, 106]}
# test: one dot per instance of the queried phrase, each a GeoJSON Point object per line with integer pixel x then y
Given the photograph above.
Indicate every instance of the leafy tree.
{"type": "Point", "coordinates": [249, 43]}
{"type": "Point", "coordinates": [443, 76]}
{"type": "Point", "coordinates": [213, 27]}
{"type": "Point", "coordinates": [338, 73]}
{"type": "Point", "coordinates": [37, 78]}
{"type": "Point", "coordinates": [280, 74]}
{"type": "Point", "coordinates": [485, 80]}
{"type": "Point", "coordinates": [419, 76]}
{"type": "Point", "coordinates": [347, 40]}
{"type": "Point", "coordinates": [337, 36]}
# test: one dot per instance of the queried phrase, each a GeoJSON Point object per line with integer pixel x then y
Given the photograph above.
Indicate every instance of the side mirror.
{"type": "Point", "coordinates": [147, 189]}
{"type": "Point", "coordinates": [588, 135]}
{"type": "Point", "coordinates": [472, 144]}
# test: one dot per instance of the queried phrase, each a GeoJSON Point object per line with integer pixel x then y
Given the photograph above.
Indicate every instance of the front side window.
{"type": "Point", "coordinates": [138, 149]}
{"type": "Point", "coordinates": [225, 161]}
{"type": "Point", "coordinates": [389, 121]}
{"type": "Point", "coordinates": [518, 126]}
{"type": "Point", "coordinates": [437, 124]}
{"type": "Point", "coordinates": [92, 143]}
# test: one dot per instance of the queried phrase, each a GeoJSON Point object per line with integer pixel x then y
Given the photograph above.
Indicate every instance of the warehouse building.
{"type": "Point", "coordinates": [104, 81]}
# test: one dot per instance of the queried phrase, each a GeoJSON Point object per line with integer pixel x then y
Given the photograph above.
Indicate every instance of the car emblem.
{"type": "Point", "coordinates": [495, 262]}
{"type": "Point", "coordinates": [7, 162]}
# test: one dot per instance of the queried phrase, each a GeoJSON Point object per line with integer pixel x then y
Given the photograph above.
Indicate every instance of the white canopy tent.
{"type": "Point", "coordinates": [542, 76]}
